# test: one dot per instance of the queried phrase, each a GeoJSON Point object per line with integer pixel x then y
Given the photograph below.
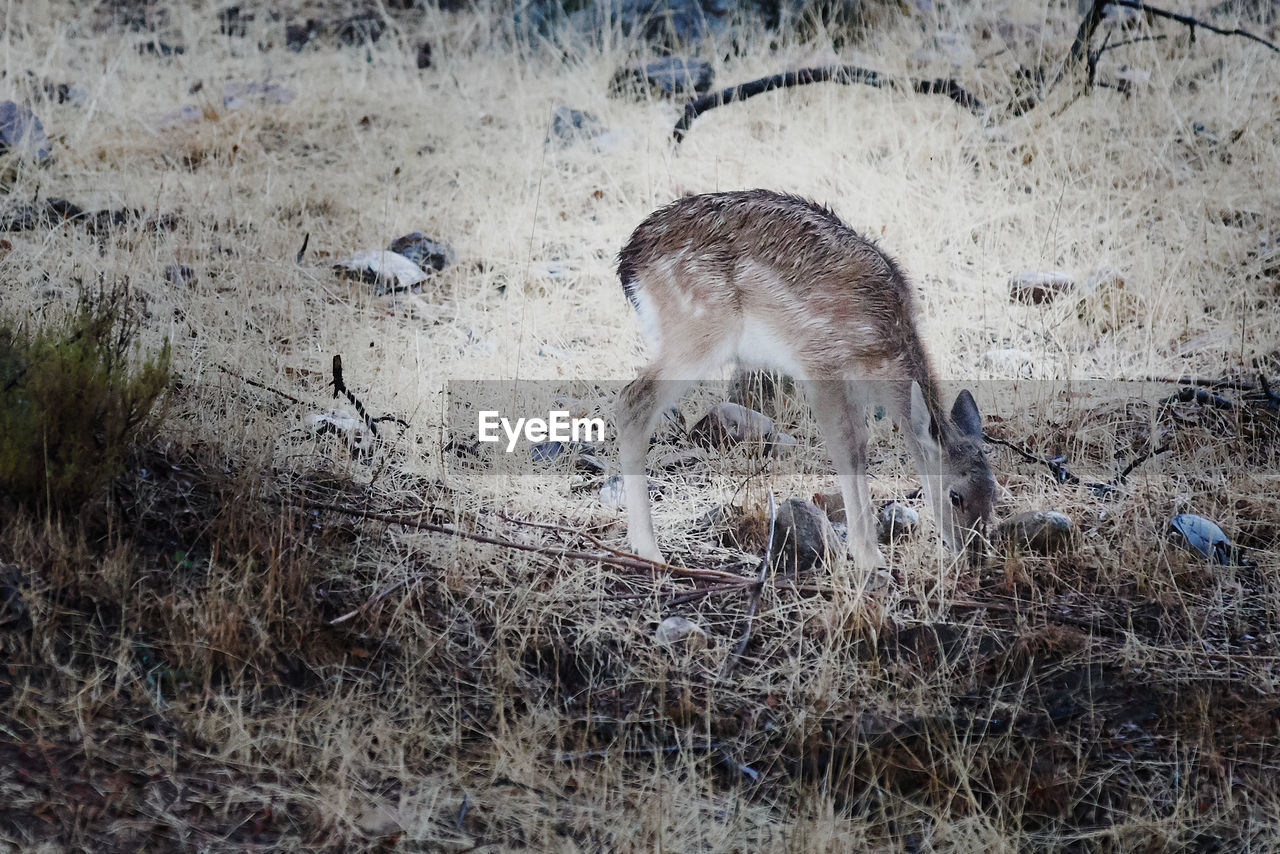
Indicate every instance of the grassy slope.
{"type": "Point", "coordinates": [178, 679]}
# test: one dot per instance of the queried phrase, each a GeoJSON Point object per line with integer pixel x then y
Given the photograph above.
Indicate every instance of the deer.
{"type": "Point", "coordinates": [777, 282]}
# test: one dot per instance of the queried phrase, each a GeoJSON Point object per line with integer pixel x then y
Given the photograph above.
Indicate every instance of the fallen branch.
{"type": "Point", "coordinates": [624, 560]}
{"type": "Point", "coordinates": [846, 74]}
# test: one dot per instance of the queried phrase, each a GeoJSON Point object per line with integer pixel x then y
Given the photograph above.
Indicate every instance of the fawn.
{"type": "Point", "coordinates": [780, 283]}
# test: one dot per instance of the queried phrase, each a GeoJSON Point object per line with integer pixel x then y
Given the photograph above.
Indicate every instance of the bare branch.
{"type": "Point", "coordinates": [845, 74]}
{"type": "Point", "coordinates": [1192, 22]}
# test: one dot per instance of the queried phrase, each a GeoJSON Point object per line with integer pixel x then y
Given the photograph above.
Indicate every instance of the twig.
{"type": "Point", "coordinates": [1064, 475]}
{"type": "Point", "coordinates": [1128, 42]}
{"type": "Point", "coordinates": [257, 384]}
{"type": "Point", "coordinates": [845, 74]}
{"type": "Point", "coordinates": [382, 594]}
{"type": "Point", "coordinates": [306, 238]}
{"type": "Point", "coordinates": [626, 561]}
{"type": "Point", "coordinates": [1192, 22]}
{"type": "Point", "coordinates": [753, 597]}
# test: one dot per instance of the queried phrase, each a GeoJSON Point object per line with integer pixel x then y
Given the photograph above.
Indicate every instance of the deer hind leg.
{"type": "Point", "coordinates": [841, 413]}
{"type": "Point", "coordinates": [640, 405]}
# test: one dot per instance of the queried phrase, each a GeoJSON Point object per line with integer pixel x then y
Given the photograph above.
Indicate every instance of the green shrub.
{"type": "Point", "coordinates": [74, 397]}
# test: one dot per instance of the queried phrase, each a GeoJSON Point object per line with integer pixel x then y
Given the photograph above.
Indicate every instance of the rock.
{"type": "Point", "coordinates": [677, 630]}
{"type": "Point", "coordinates": [1203, 537]}
{"type": "Point", "coordinates": [896, 522]}
{"type": "Point", "coordinates": [179, 274]}
{"type": "Point", "coordinates": [802, 537]}
{"type": "Point", "coordinates": [22, 133]}
{"type": "Point", "coordinates": [235, 94]}
{"type": "Point", "coordinates": [428, 254]}
{"type": "Point", "coordinates": [1035, 287]}
{"type": "Point", "coordinates": [423, 57]}
{"type": "Point", "coordinates": [727, 424]}
{"type": "Point", "coordinates": [569, 125]}
{"type": "Point", "coordinates": [613, 493]}
{"type": "Point", "coordinates": [669, 77]}
{"type": "Point", "coordinates": [383, 268]}
{"type": "Point", "coordinates": [1041, 531]}
{"type": "Point", "coordinates": [361, 29]}
{"type": "Point", "coordinates": [353, 431]}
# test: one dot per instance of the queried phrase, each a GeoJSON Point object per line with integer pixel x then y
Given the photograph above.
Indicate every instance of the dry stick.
{"type": "Point", "coordinates": [753, 598]}
{"type": "Point", "coordinates": [341, 387]}
{"type": "Point", "coordinates": [1064, 475]}
{"type": "Point", "coordinates": [257, 384]}
{"type": "Point", "coordinates": [627, 561]}
{"type": "Point", "coordinates": [836, 74]}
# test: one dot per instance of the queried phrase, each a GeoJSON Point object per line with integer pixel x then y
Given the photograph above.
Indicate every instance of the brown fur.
{"type": "Point", "coordinates": [779, 282]}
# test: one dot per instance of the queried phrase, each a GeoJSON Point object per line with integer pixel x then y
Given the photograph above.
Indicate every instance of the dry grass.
{"type": "Point", "coordinates": [173, 680]}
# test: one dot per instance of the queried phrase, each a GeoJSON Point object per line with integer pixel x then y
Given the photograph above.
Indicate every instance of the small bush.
{"type": "Point", "coordinates": [74, 397]}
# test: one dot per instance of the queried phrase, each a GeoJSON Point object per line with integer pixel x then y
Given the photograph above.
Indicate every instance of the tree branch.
{"type": "Point", "coordinates": [845, 74]}
{"type": "Point", "coordinates": [1192, 22]}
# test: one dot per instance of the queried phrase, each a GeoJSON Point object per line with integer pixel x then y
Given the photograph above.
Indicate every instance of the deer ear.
{"type": "Point", "coordinates": [921, 420]}
{"type": "Point", "coordinates": [965, 415]}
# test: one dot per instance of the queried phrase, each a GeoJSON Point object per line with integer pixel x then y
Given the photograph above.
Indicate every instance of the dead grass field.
{"type": "Point", "coordinates": [175, 680]}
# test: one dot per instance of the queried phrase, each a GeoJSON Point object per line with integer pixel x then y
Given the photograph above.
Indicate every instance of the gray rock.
{"type": "Point", "coordinates": [727, 424]}
{"type": "Point", "coordinates": [1203, 537]}
{"type": "Point", "coordinates": [1041, 531]}
{"type": "Point", "coordinates": [569, 125]}
{"type": "Point", "coordinates": [896, 522]}
{"type": "Point", "coordinates": [422, 250]}
{"type": "Point", "coordinates": [22, 133]}
{"type": "Point", "coordinates": [1035, 287]}
{"type": "Point", "coordinates": [669, 77]}
{"type": "Point", "coordinates": [803, 537]}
